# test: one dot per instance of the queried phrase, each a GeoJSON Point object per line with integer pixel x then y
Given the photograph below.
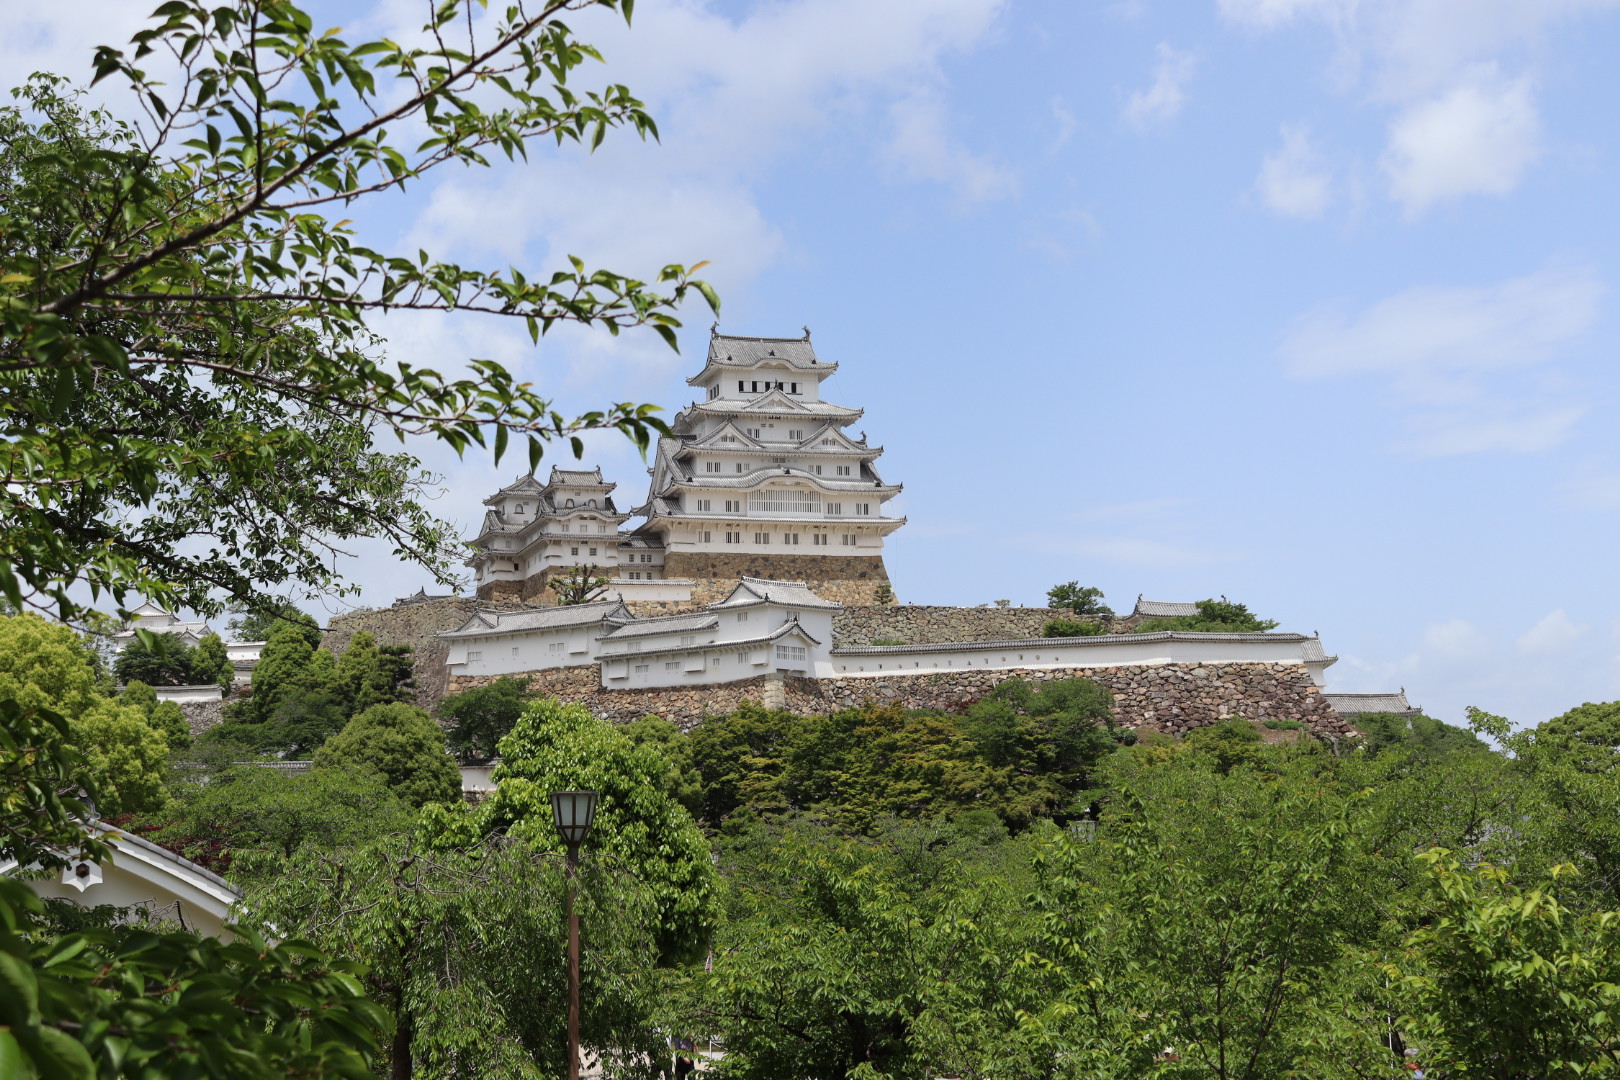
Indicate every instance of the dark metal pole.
{"type": "Point", "coordinates": [573, 968]}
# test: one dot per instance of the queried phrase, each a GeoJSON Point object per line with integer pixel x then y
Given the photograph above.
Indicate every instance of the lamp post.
{"type": "Point", "coordinates": [573, 812]}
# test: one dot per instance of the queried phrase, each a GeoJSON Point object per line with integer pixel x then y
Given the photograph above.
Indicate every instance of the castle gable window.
{"type": "Point", "coordinates": [784, 501]}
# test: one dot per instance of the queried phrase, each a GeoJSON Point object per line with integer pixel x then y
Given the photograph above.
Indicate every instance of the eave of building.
{"type": "Point", "coordinates": [785, 450]}
{"type": "Point", "coordinates": [734, 645]}
{"type": "Point", "coordinates": [751, 480]}
{"type": "Point", "coordinates": [689, 623]}
{"type": "Point", "coordinates": [525, 486]}
{"type": "Point", "coordinates": [715, 369]}
{"type": "Point", "coordinates": [883, 526]}
{"type": "Point", "coordinates": [485, 623]}
{"type": "Point", "coordinates": [775, 404]}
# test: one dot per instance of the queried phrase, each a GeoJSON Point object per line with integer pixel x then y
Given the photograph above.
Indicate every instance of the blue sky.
{"type": "Point", "coordinates": [1309, 303]}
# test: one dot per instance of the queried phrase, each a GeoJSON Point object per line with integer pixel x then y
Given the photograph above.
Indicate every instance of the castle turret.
{"type": "Point", "coordinates": [534, 531]}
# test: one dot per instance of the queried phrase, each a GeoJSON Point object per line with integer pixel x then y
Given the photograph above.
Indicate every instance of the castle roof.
{"type": "Point", "coordinates": [523, 485]}
{"type": "Point", "coordinates": [1164, 609]}
{"type": "Point", "coordinates": [790, 626]}
{"type": "Point", "coordinates": [774, 401]}
{"type": "Point", "coordinates": [577, 478]}
{"type": "Point", "coordinates": [1355, 704]}
{"type": "Point", "coordinates": [664, 624]}
{"type": "Point", "coordinates": [751, 591]}
{"type": "Point", "coordinates": [735, 352]}
{"type": "Point", "coordinates": [485, 622]}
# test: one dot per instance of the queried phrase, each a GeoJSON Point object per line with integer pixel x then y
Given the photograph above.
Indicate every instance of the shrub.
{"type": "Point", "coordinates": [1073, 628]}
{"type": "Point", "coordinates": [403, 744]}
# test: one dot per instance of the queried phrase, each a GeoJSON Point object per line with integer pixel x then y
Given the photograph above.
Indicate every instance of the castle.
{"type": "Point", "coordinates": [760, 478]}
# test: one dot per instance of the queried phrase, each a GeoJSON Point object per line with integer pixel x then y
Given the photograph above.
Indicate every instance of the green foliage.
{"type": "Point", "coordinates": [466, 948]}
{"type": "Point", "coordinates": [1214, 617]}
{"type": "Point", "coordinates": [165, 717]}
{"type": "Point", "coordinates": [1054, 736]}
{"type": "Point", "coordinates": [254, 621]}
{"type": "Point", "coordinates": [183, 330]}
{"type": "Point", "coordinates": [1072, 628]}
{"type": "Point", "coordinates": [1421, 734]}
{"type": "Point", "coordinates": [1081, 600]}
{"type": "Point", "coordinates": [404, 746]}
{"type": "Point", "coordinates": [1506, 982]}
{"type": "Point", "coordinates": [1597, 725]}
{"type": "Point", "coordinates": [682, 781]}
{"type": "Point", "coordinates": [362, 679]}
{"type": "Point", "coordinates": [250, 808]}
{"type": "Point", "coordinates": [639, 826]}
{"type": "Point", "coordinates": [45, 665]}
{"type": "Point", "coordinates": [478, 719]}
{"type": "Point", "coordinates": [579, 584]}
{"type": "Point", "coordinates": [102, 1003]}
{"type": "Point", "coordinates": [210, 663]}
{"type": "Point", "coordinates": [902, 957]}
{"type": "Point", "coordinates": [158, 660]}
{"type": "Point", "coordinates": [883, 593]}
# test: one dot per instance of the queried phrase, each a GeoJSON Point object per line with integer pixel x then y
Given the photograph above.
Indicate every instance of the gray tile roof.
{"type": "Point", "coordinates": [663, 624]}
{"type": "Point", "coordinates": [751, 590]}
{"type": "Point", "coordinates": [789, 627]}
{"type": "Point", "coordinates": [1352, 704]}
{"type": "Point", "coordinates": [1164, 609]}
{"type": "Point", "coordinates": [484, 622]}
{"type": "Point", "coordinates": [1038, 644]}
{"type": "Point", "coordinates": [787, 405]}
{"type": "Point", "coordinates": [739, 351]}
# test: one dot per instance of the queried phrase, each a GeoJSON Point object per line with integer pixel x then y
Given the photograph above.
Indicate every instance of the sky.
{"type": "Point", "coordinates": [1306, 303]}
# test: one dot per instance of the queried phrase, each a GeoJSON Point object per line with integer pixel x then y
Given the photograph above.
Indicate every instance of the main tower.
{"type": "Point", "coordinates": [759, 478]}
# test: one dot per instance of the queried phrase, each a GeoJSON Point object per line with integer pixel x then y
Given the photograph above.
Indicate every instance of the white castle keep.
{"type": "Point", "coordinates": [760, 478]}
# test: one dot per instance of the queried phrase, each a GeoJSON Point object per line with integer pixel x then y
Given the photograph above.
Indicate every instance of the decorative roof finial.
{"type": "Point", "coordinates": [807, 333]}
{"type": "Point", "coordinates": [714, 330]}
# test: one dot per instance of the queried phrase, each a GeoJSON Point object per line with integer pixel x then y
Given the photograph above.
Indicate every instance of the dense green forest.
{"type": "Point", "coordinates": [1019, 890]}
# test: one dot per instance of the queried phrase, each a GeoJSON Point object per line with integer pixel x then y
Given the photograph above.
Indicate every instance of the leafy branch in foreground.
{"type": "Point", "coordinates": [185, 363]}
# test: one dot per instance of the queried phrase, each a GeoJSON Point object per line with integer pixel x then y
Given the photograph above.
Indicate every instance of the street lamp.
{"type": "Point", "coordinates": [573, 812]}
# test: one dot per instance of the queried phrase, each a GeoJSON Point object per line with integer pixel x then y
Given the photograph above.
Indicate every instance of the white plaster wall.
{"type": "Point", "coordinates": [1046, 654]}
{"type": "Point", "coordinates": [210, 692]}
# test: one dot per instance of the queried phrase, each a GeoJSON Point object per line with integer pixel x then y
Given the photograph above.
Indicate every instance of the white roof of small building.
{"type": "Point", "coordinates": [751, 591]}
{"type": "Point", "coordinates": [663, 624]}
{"type": "Point", "coordinates": [1164, 609]}
{"type": "Point", "coordinates": [485, 622]}
{"type": "Point", "coordinates": [1353, 704]}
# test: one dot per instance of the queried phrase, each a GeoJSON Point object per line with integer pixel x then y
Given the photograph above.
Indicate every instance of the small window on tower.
{"type": "Point", "coordinates": [741, 389]}
{"type": "Point", "coordinates": [793, 388]}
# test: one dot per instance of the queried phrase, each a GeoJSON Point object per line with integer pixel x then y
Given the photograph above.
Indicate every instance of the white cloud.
{"type": "Point", "coordinates": [1477, 138]}
{"type": "Point", "coordinates": [1266, 14]}
{"type": "Point", "coordinates": [1443, 350]}
{"type": "Point", "coordinates": [1553, 634]}
{"type": "Point", "coordinates": [923, 149]}
{"type": "Point", "coordinates": [1292, 181]}
{"type": "Point", "coordinates": [1165, 98]}
{"type": "Point", "coordinates": [1435, 329]}
{"type": "Point", "coordinates": [1593, 490]}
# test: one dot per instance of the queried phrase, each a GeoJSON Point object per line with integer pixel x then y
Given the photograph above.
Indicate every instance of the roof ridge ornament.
{"type": "Point", "coordinates": [807, 333]}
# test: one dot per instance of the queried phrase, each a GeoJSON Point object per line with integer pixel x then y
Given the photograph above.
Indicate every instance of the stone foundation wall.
{"type": "Point", "coordinates": [1167, 698]}
{"type": "Point", "coordinates": [848, 579]}
{"type": "Point", "coordinates": [415, 625]}
{"type": "Point", "coordinates": [913, 625]}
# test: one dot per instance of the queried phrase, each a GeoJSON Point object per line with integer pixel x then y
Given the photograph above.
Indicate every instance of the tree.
{"type": "Point", "coordinates": [479, 718]}
{"type": "Point", "coordinates": [579, 584]}
{"type": "Point", "coordinates": [45, 665]}
{"type": "Point", "coordinates": [284, 664]}
{"type": "Point", "coordinates": [1507, 983]}
{"type": "Point", "coordinates": [465, 947]}
{"type": "Point", "coordinates": [211, 663]}
{"type": "Point", "coordinates": [1420, 734]}
{"type": "Point", "coordinates": [682, 781]}
{"type": "Point", "coordinates": [102, 1002]}
{"type": "Point", "coordinates": [1081, 600]}
{"type": "Point", "coordinates": [253, 620]}
{"type": "Point", "coordinates": [361, 679]}
{"type": "Point", "coordinates": [248, 808]}
{"type": "Point", "coordinates": [1594, 724]}
{"type": "Point", "coordinates": [639, 827]}
{"type": "Point", "coordinates": [403, 745]}
{"type": "Point", "coordinates": [185, 261]}
{"type": "Point", "coordinates": [157, 660]}
{"type": "Point", "coordinates": [883, 593]}
{"type": "Point", "coordinates": [1214, 617]}
{"type": "Point", "coordinates": [165, 716]}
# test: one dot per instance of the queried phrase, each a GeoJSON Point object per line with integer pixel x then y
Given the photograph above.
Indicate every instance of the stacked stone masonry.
{"type": "Point", "coordinates": [847, 579]}
{"type": "Point", "coordinates": [1169, 698]}
{"type": "Point", "coordinates": [910, 624]}
{"type": "Point", "coordinates": [416, 625]}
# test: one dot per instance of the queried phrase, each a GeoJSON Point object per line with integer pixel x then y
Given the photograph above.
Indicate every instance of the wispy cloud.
{"type": "Point", "coordinates": [1443, 348]}
{"type": "Point", "coordinates": [1164, 99]}
{"type": "Point", "coordinates": [1293, 181]}
{"type": "Point", "coordinates": [1555, 633]}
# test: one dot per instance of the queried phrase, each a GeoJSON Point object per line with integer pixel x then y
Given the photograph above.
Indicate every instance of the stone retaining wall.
{"type": "Point", "coordinates": [1169, 698]}
{"type": "Point", "coordinates": [415, 625]}
{"type": "Point", "coordinates": [910, 624]}
{"type": "Point", "coordinates": [848, 579]}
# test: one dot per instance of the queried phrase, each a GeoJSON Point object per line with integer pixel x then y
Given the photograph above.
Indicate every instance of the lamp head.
{"type": "Point", "coordinates": [573, 812]}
